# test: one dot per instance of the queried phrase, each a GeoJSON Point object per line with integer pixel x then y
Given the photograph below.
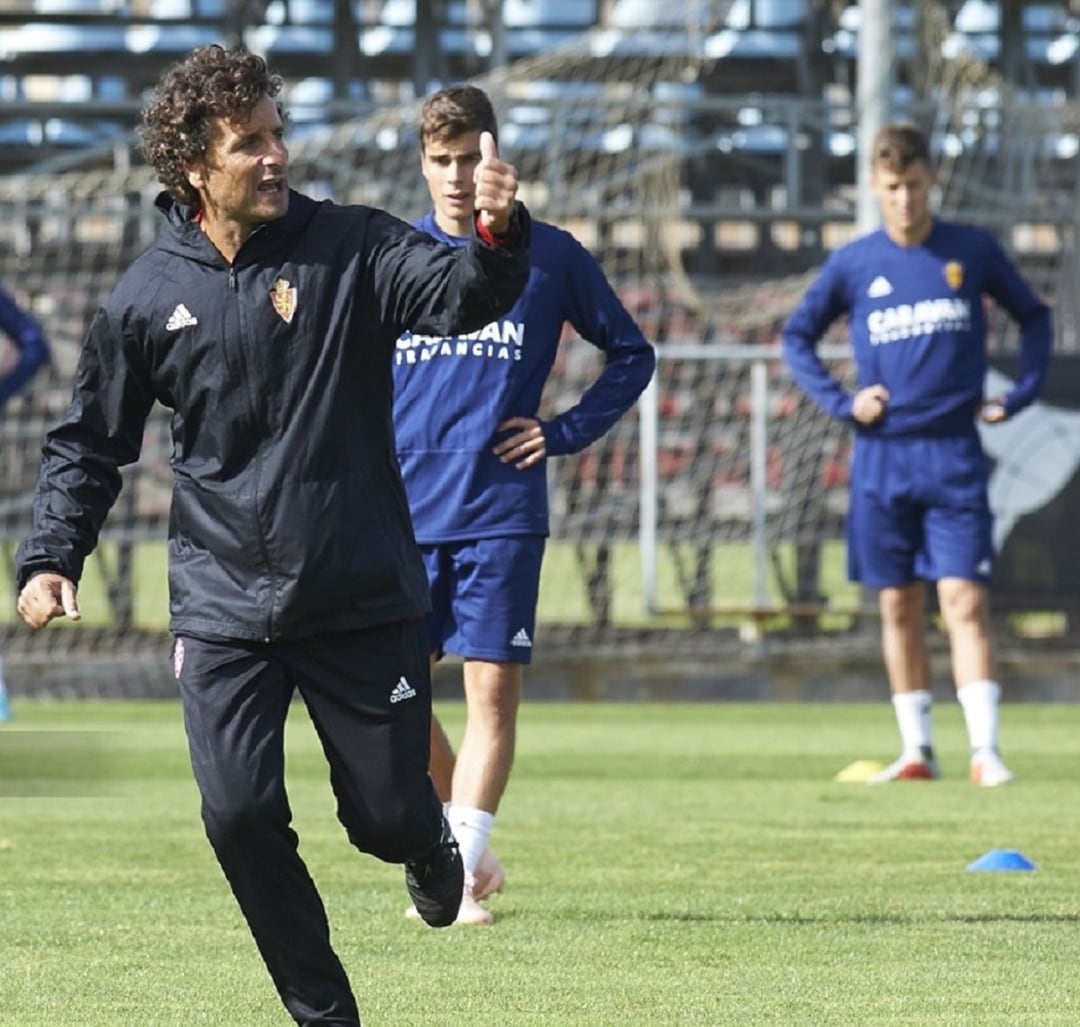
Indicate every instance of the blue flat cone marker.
{"type": "Point", "coordinates": [1002, 859]}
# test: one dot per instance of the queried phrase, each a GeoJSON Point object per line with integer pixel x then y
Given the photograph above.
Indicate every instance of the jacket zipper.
{"type": "Point", "coordinates": [234, 285]}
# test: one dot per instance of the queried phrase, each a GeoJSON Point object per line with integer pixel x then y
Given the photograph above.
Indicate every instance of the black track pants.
{"type": "Point", "coordinates": [369, 696]}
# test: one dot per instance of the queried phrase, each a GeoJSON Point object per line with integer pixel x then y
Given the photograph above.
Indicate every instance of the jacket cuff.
{"type": "Point", "coordinates": [508, 238]}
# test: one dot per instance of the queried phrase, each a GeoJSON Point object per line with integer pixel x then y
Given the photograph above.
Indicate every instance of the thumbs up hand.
{"type": "Point", "coordinates": [495, 185]}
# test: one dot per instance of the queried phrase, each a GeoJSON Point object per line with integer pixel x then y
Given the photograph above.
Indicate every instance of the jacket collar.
{"type": "Point", "coordinates": [181, 233]}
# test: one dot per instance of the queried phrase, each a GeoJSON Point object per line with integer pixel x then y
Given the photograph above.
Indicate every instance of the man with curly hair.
{"type": "Point", "coordinates": [266, 321]}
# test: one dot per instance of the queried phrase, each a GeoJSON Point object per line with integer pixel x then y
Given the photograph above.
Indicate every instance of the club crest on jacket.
{"type": "Point", "coordinates": [283, 297]}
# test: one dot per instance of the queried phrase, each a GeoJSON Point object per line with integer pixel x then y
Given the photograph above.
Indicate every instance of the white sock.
{"type": "Point", "coordinates": [979, 700]}
{"type": "Point", "coordinates": [471, 827]}
{"type": "Point", "coordinates": [913, 719]}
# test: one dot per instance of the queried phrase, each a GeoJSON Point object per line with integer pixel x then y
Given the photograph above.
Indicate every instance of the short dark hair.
{"type": "Point", "coordinates": [896, 147]}
{"type": "Point", "coordinates": [453, 111]}
{"type": "Point", "coordinates": [211, 83]}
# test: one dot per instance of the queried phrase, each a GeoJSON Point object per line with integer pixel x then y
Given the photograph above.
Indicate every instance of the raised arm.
{"type": "Point", "coordinates": [1006, 286]}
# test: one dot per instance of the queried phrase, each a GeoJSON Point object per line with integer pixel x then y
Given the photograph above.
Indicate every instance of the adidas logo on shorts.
{"type": "Point", "coordinates": [522, 639]}
{"type": "Point", "coordinates": [402, 690]}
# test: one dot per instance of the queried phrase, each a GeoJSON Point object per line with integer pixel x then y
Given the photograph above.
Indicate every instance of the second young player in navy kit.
{"type": "Point", "coordinates": [913, 295]}
{"type": "Point", "coordinates": [473, 454]}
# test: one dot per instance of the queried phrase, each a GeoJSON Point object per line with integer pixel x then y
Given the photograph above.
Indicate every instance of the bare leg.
{"type": "Point", "coordinates": [903, 637]}
{"type": "Point", "coordinates": [907, 664]}
{"type": "Point", "coordinates": [479, 775]}
{"type": "Point", "coordinates": [492, 696]}
{"type": "Point", "coordinates": [477, 779]}
{"type": "Point", "coordinates": [441, 765]}
{"type": "Point", "coordinates": [441, 760]}
{"type": "Point", "coordinates": [965, 611]}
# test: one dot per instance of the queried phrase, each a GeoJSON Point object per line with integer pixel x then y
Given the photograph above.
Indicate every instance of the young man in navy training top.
{"type": "Point", "coordinates": [473, 455]}
{"type": "Point", "coordinates": [31, 353]}
{"type": "Point", "coordinates": [913, 295]}
{"type": "Point", "coordinates": [266, 321]}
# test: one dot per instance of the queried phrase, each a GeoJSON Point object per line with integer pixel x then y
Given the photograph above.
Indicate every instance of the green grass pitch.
{"type": "Point", "coordinates": [667, 864]}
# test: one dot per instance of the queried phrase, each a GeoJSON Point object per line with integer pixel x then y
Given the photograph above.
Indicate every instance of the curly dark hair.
{"type": "Point", "coordinates": [210, 83]}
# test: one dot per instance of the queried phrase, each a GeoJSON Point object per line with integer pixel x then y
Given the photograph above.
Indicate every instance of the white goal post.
{"type": "Point", "coordinates": [760, 412]}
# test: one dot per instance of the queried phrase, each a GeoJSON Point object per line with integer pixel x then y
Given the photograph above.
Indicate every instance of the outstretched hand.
{"type": "Point", "coordinates": [496, 184]}
{"type": "Point", "coordinates": [48, 596]}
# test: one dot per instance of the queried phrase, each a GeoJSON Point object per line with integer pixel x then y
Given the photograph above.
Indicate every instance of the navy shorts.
{"type": "Point", "coordinates": [919, 511]}
{"type": "Point", "coordinates": [483, 597]}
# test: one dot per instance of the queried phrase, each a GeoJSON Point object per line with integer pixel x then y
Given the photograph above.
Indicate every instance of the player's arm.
{"type": "Point", "coordinates": [598, 315]}
{"type": "Point", "coordinates": [1007, 287]}
{"type": "Point", "coordinates": [823, 303]}
{"type": "Point", "coordinates": [30, 343]}
{"type": "Point", "coordinates": [420, 285]}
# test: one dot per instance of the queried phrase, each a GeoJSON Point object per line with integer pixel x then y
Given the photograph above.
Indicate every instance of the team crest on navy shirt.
{"type": "Point", "coordinates": [954, 274]}
{"type": "Point", "coordinates": [283, 297]}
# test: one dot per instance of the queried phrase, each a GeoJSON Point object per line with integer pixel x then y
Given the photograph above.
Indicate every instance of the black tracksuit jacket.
{"type": "Point", "coordinates": [288, 514]}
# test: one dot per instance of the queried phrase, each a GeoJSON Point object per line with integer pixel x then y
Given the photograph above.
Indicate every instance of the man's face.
{"type": "Point", "coordinates": [243, 180]}
{"type": "Point", "coordinates": [448, 167]}
{"type": "Point", "coordinates": [904, 199]}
